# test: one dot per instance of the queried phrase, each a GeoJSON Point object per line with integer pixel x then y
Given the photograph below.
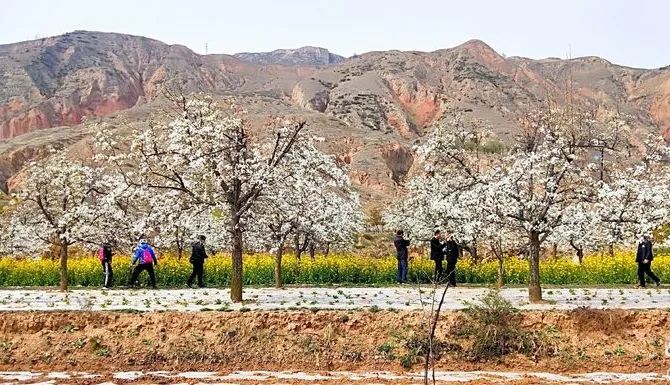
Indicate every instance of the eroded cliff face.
{"type": "Point", "coordinates": [659, 103]}
{"type": "Point", "coordinates": [421, 103]}
{"type": "Point", "coordinates": [311, 95]}
{"type": "Point", "coordinates": [399, 161]}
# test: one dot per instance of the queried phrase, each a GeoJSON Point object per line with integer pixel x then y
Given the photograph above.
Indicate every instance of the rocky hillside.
{"type": "Point", "coordinates": [372, 108]}
{"type": "Point", "coordinates": [64, 79]}
{"type": "Point", "coordinates": [310, 56]}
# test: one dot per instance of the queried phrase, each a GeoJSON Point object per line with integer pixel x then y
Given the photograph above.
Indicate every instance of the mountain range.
{"type": "Point", "coordinates": [371, 108]}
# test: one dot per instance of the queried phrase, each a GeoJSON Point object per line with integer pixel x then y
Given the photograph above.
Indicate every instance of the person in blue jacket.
{"type": "Point", "coordinates": [146, 260]}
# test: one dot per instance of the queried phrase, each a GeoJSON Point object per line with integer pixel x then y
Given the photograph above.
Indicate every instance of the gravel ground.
{"type": "Point", "coordinates": [362, 378]}
{"type": "Point", "coordinates": [396, 298]}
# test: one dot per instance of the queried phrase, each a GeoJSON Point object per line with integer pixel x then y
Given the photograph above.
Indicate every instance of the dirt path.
{"type": "Point", "coordinates": [362, 378]}
{"type": "Point", "coordinates": [397, 298]}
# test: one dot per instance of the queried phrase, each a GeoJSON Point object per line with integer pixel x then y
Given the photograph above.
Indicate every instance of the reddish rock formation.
{"type": "Point", "coordinates": [420, 102]}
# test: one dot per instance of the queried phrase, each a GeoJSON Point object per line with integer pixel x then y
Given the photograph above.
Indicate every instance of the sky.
{"type": "Point", "coordinates": [631, 33]}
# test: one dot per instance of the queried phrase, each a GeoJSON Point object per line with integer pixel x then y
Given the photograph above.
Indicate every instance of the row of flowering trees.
{"type": "Point", "coordinates": [566, 179]}
{"type": "Point", "coordinates": [202, 173]}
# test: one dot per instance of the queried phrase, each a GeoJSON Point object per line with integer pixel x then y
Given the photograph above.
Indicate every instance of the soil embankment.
{"type": "Point", "coordinates": [582, 341]}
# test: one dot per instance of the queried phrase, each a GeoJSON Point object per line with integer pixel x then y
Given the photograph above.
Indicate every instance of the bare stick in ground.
{"type": "Point", "coordinates": [434, 317]}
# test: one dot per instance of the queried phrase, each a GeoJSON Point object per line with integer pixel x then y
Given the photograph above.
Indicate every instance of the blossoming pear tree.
{"type": "Point", "coordinates": [58, 205]}
{"type": "Point", "coordinates": [448, 193]}
{"type": "Point", "coordinates": [312, 197]}
{"type": "Point", "coordinates": [635, 200]}
{"type": "Point", "coordinates": [208, 155]}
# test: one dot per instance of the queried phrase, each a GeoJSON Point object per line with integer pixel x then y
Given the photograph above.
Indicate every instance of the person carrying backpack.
{"type": "Point", "coordinates": [197, 259]}
{"type": "Point", "coordinates": [146, 260]}
{"type": "Point", "coordinates": [105, 257]}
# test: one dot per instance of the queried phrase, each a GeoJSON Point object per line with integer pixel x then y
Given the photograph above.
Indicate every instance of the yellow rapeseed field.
{"type": "Point", "coordinates": [331, 269]}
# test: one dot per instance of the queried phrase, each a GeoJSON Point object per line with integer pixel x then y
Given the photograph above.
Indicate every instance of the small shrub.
{"type": "Point", "coordinates": [408, 359]}
{"type": "Point", "coordinates": [102, 352]}
{"type": "Point", "coordinates": [495, 328]}
{"type": "Point", "coordinates": [386, 349]}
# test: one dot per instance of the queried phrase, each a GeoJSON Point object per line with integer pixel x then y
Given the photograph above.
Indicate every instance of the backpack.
{"type": "Point", "coordinates": [101, 254]}
{"type": "Point", "coordinates": [146, 256]}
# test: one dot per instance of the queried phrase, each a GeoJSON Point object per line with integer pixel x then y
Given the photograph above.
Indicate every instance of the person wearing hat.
{"type": "Point", "coordinates": [146, 260]}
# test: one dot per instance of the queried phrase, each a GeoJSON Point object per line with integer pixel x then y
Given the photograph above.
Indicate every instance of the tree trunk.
{"type": "Point", "coordinates": [312, 250]}
{"type": "Point", "coordinates": [63, 266]}
{"type": "Point", "coordinates": [580, 255]}
{"type": "Point", "coordinates": [610, 250]}
{"type": "Point", "coordinates": [278, 275]}
{"type": "Point", "coordinates": [473, 253]}
{"type": "Point", "coordinates": [534, 289]}
{"type": "Point", "coordinates": [501, 272]}
{"type": "Point", "coordinates": [180, 245]}
{"type": "Point", "coordinates": [327, 250]}
{"type": "Point", "coordinates": [298, 249]}
{"type": "Point", "coordinates": [236, 277]}
{"type": "Point", "coordinates": [554, 251]}
{"type": "Point", "coordinates": [497, 250]}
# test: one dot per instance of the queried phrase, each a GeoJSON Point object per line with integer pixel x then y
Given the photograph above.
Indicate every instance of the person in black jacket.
{"type": "Point", "coordinates": [643, 257]}
{"type": "Point", "coordinates": [451, 253]}
{"type": "Point", "coordinates": [105, 256]}
{"type": "Point", "coordinates": [401, 254]}
{"type": "Point", "coordinates": [437, 254]}
{"type": "Point", "coordinates": [198, 256]}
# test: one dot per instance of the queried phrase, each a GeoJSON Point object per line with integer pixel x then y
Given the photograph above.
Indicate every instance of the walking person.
{"type": "Point", "coordinates": [146, 260]}
{"type": "Point", "coordinates": [451, 252]}
{"type": "Point", "coordinates": [401, 254]}
{"type": "Point", "coordinates": [437, 254]}
{"type": "Point", "coordinates": [643, 257]}
{"type": "Point", "coordinates": [105, 257]}
{"type": "Point", "coordinates": [197, 259]}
